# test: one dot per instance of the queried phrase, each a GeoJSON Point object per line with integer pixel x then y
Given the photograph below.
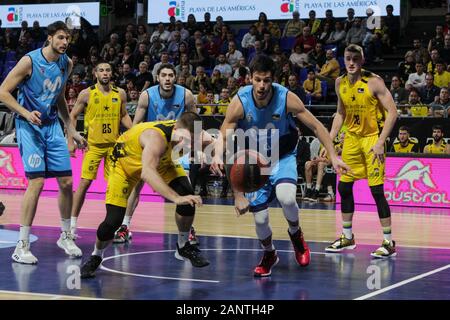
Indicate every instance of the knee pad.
{"type": "Point", "coordinates": [287, 196]}
{"type": "Point", "coordinates": [382, 205]}
{"type": "Point", "coordinates": [263, 230]}
{"type": "Point", "coordinates": [183, 187]}
{"type": "Point", "coordinates": [112, 222]}
{"type": "Point", "coordinates": [346, 192]}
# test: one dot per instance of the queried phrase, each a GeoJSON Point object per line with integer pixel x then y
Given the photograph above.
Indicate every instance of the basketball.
{"type": "Point", "coordinates": [245, 174]}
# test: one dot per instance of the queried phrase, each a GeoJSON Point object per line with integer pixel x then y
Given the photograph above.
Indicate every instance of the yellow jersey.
{"type": "Point", "coordinates": [364, 115]}
{"type": "Point", "coordinates": [412, 146]}
{"type": "Point", "coordinates": [419, 110]}
{"type": "Point", "coordinates": [128, 149]}
{"type": "Point", "coordinates": [102, 116]}
{"type": "Point", "coordinates": [432, 148]}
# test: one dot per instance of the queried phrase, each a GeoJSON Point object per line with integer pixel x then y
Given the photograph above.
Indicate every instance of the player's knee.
{"type": "Point", "coordinates": [65, 184]}
{"type": "Point", "coordinates": [261, 217]}
{"type": "Point", "coordinates": [382, 205]}
{"type": "Point", "coordinates": [112, 222]}
{"type": "Point", "coordinates": [185, 210]}
{"type": "Point", "coordinates": [345, 189]}
{"type": "Point", "coordinates": [286, 194]}
{"type": "Point", "coordinates": [36, 184]}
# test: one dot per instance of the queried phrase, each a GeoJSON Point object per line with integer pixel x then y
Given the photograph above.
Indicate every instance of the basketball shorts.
{"type": "Point", "coordinates": [356, 153]}
{"type": "Point", "coordinates": [284, 171]}
{"type": "Point", "coordinates": [43, 149]}
{"type": "Point", "coordinates": [121, 181]}
{"type": "Point", "coordinates": [92, 158]}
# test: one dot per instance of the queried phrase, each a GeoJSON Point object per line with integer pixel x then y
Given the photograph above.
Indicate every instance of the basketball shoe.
{"type": "Point", "coordinates": [342, 244]}
{"type": "Point", "coordinates": [268, 261]}
{"type": "Point", "coordinates": [22, 253]}
{"type": "Point", "coordinates": [88, 269]}
{"type": "Point", "coordinates": [302, 251]}
{"type": "Point", "coordinates": [192, 253]}
{"type": "Point", "coordinates": [193, 237]}
{"type": "Point", "coordinates": [67, 243]}
{"type": "Point", "coordinates": [122, 235]}
{"type": "Point", "coordinates": [386, 250]}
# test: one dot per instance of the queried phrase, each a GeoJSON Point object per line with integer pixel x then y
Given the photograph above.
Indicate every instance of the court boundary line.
{"type": "Point", "coordinates": [401, 283]}
{"type": "Point", "coordinates": [233, 236]}
{"type": "Point", "coordinates": [50, 296]}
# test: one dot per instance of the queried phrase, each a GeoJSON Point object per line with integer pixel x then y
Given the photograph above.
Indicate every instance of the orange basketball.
{"type": "Point", "coordinates": [245, 174]}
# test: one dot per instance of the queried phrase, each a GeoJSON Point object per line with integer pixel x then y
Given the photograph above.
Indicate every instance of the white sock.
{"type": "Point", "coordinates": [65, 225]}
{"type": "Point", "coordinates": [330, 190]}
{"type": "Point", "coordinates": [98, 252]}
{"type": "Point", "coordinates": [126, 221]}
{"type": "Point", "coordinates": [388, 236]}
{"type": "Point", "coordinates": [309, 185]}
{"type": "Point", "coordinates": [318, 187]}
{"type": "Point", "coordinates": [73, 224]}
{"type": "Point", "coordinates": [24, 233]}
{"type": "Point", "coordinates": [270, 247]}
{"type": "Point", "coordinates": [183, 237]}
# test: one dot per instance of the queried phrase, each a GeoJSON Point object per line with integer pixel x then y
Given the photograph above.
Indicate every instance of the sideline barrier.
{"type": "Point", "coordinates": [419, 181]}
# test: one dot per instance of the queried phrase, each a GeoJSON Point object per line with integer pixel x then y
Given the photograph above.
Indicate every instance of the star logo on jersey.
{"type": "Point", "coordinates": [360, 90]}
{"type": "Point", "coordinates": [106, 108]}
{"type": "Point", "coordinates": [353, 98]}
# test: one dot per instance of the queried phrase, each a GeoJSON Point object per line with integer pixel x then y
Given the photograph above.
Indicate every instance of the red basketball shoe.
{"type": "Point", "coordinates": [302, 251]}
{"type": "Point", "coordinates": [264, 268]}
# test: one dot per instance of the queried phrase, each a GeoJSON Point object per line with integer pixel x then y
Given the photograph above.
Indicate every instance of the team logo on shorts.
{"type": "Point", "coordinates": [34, 160]}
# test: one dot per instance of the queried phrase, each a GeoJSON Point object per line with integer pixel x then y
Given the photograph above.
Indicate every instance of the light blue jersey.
{"type": "Point", "coordinates": [272, 116]}
{"type": "Point", "coordinates": [40, 91]}
{"type": "Point", "coordinates": [165, 109]}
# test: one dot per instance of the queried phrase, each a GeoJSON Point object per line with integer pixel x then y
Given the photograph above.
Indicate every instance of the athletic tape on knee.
{"type": "Point", "coordinates": [382, 205]}
{"type": "Point", "coordinates": [287, 196]}
{"type": "Point", "coordinates": [263, 230]}
{"type": "Point", "coordinates": [347, 201]}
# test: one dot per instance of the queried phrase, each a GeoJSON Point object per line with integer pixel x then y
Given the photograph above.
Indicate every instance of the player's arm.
{"type": "Point", "coordinates": [447, 149]}
{"type": "Point", "coordinates": [426, 149]}
{"type": "Point", "coordinates": [379, 90]}
{"type": "Point", "coordinates": [296, 107]}
{"type": "Point", "coordinates": [141, 109]}
{"type": "Point", "coordinates": [125, 118]}
{"type": "Point", "coordinates": [189, 103]}
{"type": "Point", "coordinates": [340, 113]}
{"type": "Point", "coordinates": [14, 78]}
{"type": "Point", "coordinates": [153, 147]}
{"type": "Point", "coordinates": [234, 113]}
{"type": "Point", "coordinates": [79, 107]}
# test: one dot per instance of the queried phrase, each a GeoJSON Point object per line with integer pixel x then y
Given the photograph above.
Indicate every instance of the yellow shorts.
{"type": "Point", "coordinates": [121, 183]}
{"type": "Point", "coordinates": [92, 159]}
{"type": "Point", "coordinates": [356, 154]}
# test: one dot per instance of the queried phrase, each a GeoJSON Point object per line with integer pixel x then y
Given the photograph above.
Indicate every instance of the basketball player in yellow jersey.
{"type": "Point", "coordinates": [438, 145]}
{"type": "Point", "coordinates": [104, 110]}
{"type": "Point", "coordinates": [363, 100]}
{"type": "Point", "coordinates": [145, 152]}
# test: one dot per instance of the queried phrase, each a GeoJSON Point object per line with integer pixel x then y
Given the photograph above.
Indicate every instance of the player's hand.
{"type": "Point", "coordinates": [80, 141]}
{"type": "Point", "coordinates": [72, 149]}
{"type": "Point", "coordinates": [323, 153]}
{"type": "Point", "coordinates": [34, 117]}
{"type": "Point", "coordinates": [378, 153]}
{"type": "Point", "coordinates": [340, 166]}
{"type": "Point", "coordinates": [189, 199]}
{"type": "Point", "coordinates": [241, 204]}
{"type": "Point", "coordinates": [216, 166]}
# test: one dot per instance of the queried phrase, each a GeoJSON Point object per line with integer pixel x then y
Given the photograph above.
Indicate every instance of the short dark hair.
{"type": "Point", "coordinates": [438, 127]}
{"type": "Point", "coordinates": [404, 128]}
{"type": "Point", "coordinates": [188, 119]}
{"type": "Point", "coordinates": [166, 66]}
{"type": "Point", "coordinates": [99, 62]}
{"type": "Point", "coordinates": [262, 63]}
{"type": "Point", "coordinates": [55, 27]}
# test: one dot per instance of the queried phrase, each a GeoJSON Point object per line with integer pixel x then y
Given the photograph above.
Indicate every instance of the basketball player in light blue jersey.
{"type": "Point", "coordinates": [41, 77]}
{"type": "Point", "coordinates": [267, 105]}
{"type": "Point", "coordinates": [164, 101]}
